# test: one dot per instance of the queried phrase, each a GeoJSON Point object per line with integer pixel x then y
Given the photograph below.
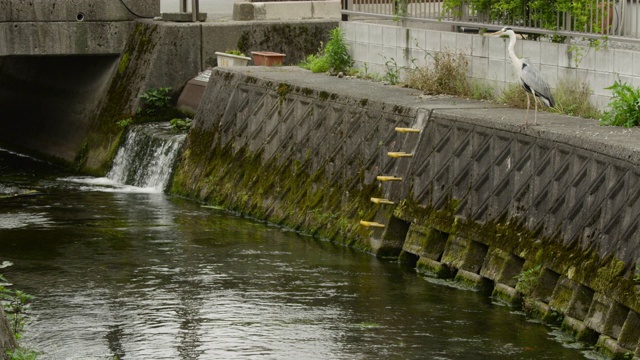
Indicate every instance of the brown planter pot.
{"type": "Point", "coordinates": [267, 58]}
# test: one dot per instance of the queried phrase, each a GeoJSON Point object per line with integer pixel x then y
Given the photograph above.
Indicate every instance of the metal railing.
{"type": "Point", "coordinates": [195, 9]}
{"type": "Point", "coordinates": [617, 20]}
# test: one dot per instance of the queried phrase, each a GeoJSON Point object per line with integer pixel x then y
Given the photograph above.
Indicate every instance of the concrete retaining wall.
{"type": "Point", "coordinates": [481, 201]}
{"type": "Point", "coordinates": [59, 27]}
{"type": "Point", "coordinates": [375, 44]}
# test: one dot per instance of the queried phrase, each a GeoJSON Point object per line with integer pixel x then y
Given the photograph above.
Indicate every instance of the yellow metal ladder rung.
{"type": "Point", "coordinates": [407, 130]}
{"type": "Point", "coordinates": [388, 178]}
{"type": "Point", "coordinates": [371, 224]}
{"type": "Point", "coordinates": [398, 154]}
{"type": "Point", "coordinates": [381, 201]}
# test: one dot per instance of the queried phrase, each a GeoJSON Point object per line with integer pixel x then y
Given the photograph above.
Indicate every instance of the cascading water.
{"type": "Point", "coordinates": [144, 162]}
{"type": "Point", "coordinates": [146, 157]}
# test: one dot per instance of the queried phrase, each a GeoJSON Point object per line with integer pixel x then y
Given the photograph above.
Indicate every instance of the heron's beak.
{"type": "Point", "coordinates": [497, 33]}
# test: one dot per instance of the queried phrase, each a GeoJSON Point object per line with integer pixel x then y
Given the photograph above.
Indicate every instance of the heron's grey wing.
{"type": "Point", "coordinates": [532, 78]}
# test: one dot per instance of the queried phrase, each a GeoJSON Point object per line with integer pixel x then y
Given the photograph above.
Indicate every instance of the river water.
{"type": "Point", "coordinates": [120, 272]}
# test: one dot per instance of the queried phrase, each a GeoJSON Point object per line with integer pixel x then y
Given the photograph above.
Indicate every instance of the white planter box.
{"type": "Point", "coordinates": [226, 60]}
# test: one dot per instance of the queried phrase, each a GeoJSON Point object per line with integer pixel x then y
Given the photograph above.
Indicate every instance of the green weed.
{"type": "Point", "coordinates": [334, 58]}
{"type": "Point", "coordinates": [156, 100]}
{"type": "Point", "coordinates": [624, 106]}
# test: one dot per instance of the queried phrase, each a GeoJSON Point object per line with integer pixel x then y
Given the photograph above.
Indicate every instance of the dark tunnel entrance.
{"type": "Point", "coordinates": [47, 102]}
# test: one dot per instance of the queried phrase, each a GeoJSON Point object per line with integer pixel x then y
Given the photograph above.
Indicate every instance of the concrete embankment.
{"type": "Point", "coordinates": [476, 196]}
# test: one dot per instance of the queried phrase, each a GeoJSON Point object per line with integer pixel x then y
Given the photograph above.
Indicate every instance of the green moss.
{"type": "Point", "coordinates": [323, 95]}
{"type": "Point", "coordinates": [364, 102]}
{"type": "Point", "coordinates": [119, 103]}
{"type": "Point", "coordinates": [124, 61]}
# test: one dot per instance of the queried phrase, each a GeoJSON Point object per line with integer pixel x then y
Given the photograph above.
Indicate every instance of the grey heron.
{"type": "Point", "coordinates": [529, 77]}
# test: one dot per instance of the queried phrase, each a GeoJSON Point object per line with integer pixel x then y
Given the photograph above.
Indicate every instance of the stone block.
{"type": "Point", "coordinates": [464, 43]}
{"type": "Point", "coordinates": [480, 47]}
{"type": "Point", "coordinates": [390, 36]}
{"type": "Point", "coordinates": [548, 54]}
{"type": "Point", "coordinates": [473, 281]}
{"type": "Point", "coordinates": [464, 254]}
{"type": "Point", "coordinates": [448, 42]}
{"type": "Point", "coordinates": [604, 60]}
{"type": "Point", "coordinates": [433, 41]}
{"type": "Point", "coordinates": [393, 238]}
{"type": "Point", "coordinates": [623, 62]}
{"type": "Point", "coordinates": [433, 268]}
{"type": "Point", "coordinates": [543, 311]}
{"type": "Point", "coordinates": [360, 32]}
{"type": "Point", "coordinates": [506, 294]}
{"type": "Point", "coordinates": [501, 267]}
{"type": "Point", "coordinates": [545, 285]}
{"type": "Point", "coordinates": [425, 242]}
{"type": "Point", "coordinates": [606, 316]}
{"type": "Point", "coordinates": [531, 50]}
{"type": "Point", "coordinates": [612, 349]}
{"type": "Point", "coordinates": [329, 9]}
{"type": "Point", "coordinates": [630, 334]}
{"type": "Point", "coordinates": [571, 298]}
{"type": "Point", "coordinates": [579, 330]}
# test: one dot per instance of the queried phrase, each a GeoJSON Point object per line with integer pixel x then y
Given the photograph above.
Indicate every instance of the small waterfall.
{"type": "Point", "coordinates": [147, 156]}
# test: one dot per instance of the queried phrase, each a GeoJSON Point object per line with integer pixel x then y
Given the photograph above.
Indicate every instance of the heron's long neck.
{"type": "Point", "coordinates": [517, 63]}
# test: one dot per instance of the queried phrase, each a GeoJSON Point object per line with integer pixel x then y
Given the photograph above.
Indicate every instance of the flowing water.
{"type": "Point", "coordinates": [124, 272]}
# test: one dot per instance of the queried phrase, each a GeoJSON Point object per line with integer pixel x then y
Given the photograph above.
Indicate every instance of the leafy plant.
{"type": "Point", "coordinates": [337, 52]}
{"type": "Point", "coordinates": [16, 305]}
{"type": "Point", "coordinates": [392, 76]}
{"type": "Point", "coordinates": [527, 280]}
{"type": "Point", "coordinates": [125, 122]}
{"type": "Point", "coordinates": [316, 63]}
{"type": "Point", "coordinates": [624, 106]}
{"type": "Point", "coordinates": [180, 124]}
{"type": "Point", "coordinates": [234, 52]}
{"type": "Point", "coordinates": [334, 58]}
{"type": "Point", "coordinates": [156, 100]}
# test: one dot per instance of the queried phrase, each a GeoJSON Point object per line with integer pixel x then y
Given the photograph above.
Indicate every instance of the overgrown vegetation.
{"type": "Point", "coordinates": [181, 124]}
{"type": "Point", "coordinates": [157, 105]}
{"type": "Point", "coordinates": [587, 15]}
{"type": "Point", "coordinates": [624, 107]}
{"type": "Point", "coordinates": [156, 101]}
{"type": "Point", "coordinates": [334, 58]}
{"type": "Point", "coordinates": [447, 75]}
{"type": "Point", "coordinates": [15, 304]}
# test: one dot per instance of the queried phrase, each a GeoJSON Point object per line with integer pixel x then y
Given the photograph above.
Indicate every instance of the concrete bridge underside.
{"type": "Point", "coordinates": [57, 58]}
{"type": "Point", "coordinates": [46, 100]}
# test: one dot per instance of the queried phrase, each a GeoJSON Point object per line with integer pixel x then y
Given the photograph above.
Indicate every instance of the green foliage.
{"type": "Point", "coordinates": [337, 52]}
{"type": "Point", "coordinates": [156, 100]}
{"type": "Point", "coordinates": [624, 106]}
{"type": "Point", "coordinates": [573, 98]}
{"type": "Point", "coordinates": [587, 15]}
{"type": "Point", "coordinates": [527, 280]}
{"type": "Point", "coordinates": [447, 75]}
{"type": "Point", "coordinates": [124, 123]}
{"type": "Point", "coordinates": [16, 305]}
{"type": "Point", "coordinates": [22, 354]}
{"type": "Point", "coordinates": [392, 76]}
{"type": "Point", "coordinates": [180, 124]}
{"type": "Point", "coordinates": [636, 275]}
{"type": "Point", "coordinates": [334, 58]}
{"type": "Point", "coordinates": [235, 52]}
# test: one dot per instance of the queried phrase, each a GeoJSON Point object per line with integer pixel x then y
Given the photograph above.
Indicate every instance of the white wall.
{"type": "Point", "coordinates": [374, 44]}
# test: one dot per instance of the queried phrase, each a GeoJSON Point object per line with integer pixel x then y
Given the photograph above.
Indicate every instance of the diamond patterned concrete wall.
{"type": "Point", "coordinates": [578, 194]}
{"type": "Point", "coordinates": [579, 198]}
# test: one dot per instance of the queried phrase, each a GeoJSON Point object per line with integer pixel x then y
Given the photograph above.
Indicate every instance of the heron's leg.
{"type": "Point", "coordinates": [526, 121]}
{"type": "Point", "coordinates": [535, 116]}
